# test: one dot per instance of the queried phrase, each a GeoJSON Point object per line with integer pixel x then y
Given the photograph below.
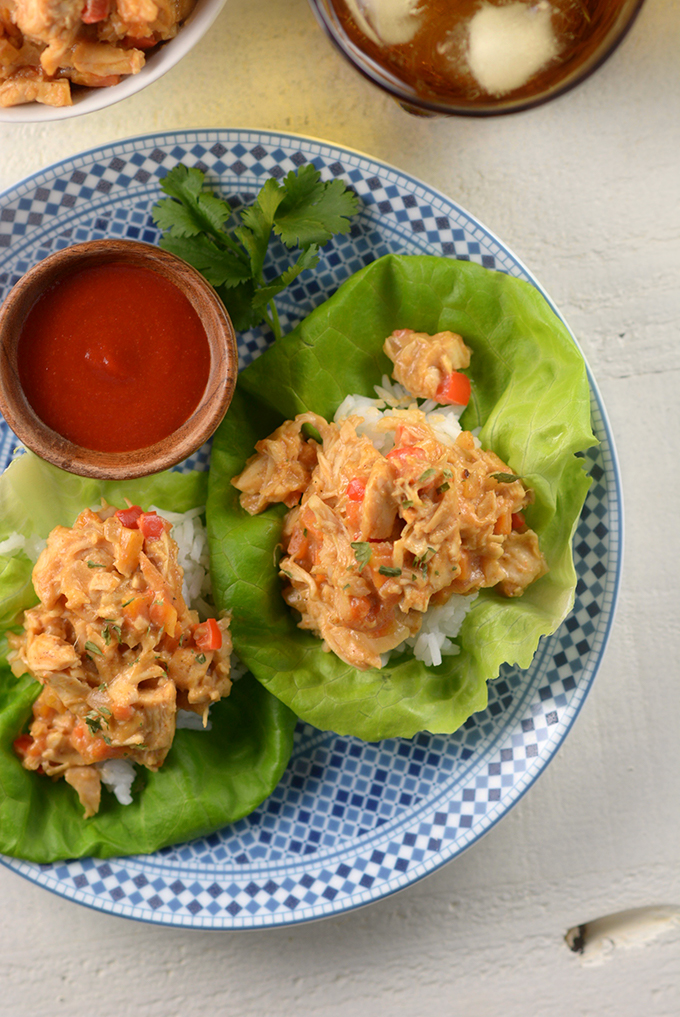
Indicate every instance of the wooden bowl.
{"type": "Point", "coordinates": [62, 452]}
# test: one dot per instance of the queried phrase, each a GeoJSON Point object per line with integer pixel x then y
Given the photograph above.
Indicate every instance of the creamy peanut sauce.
{"type": "Point", "coordinates": [372, 540]}
{"type": "Point", "coordinates": [115, 648]}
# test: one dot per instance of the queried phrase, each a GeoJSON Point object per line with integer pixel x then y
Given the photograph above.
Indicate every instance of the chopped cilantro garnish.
{"type": "Point", "coordinates": [95, 565]}
{"type": "Point", "coordinates": [106, 632]}
{"type": "Point", "coordinates": [385, 570]}
{"type": "Point", "coordinates": [505, 478]}
{"type": "Point", "coordinates": [362, 552]}
{"type": "Point", "coordinates": [422, 560]}
{"type": "Point", "coordinates": [92, 648]}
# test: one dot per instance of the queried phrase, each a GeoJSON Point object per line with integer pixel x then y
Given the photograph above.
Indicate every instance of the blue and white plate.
{"type": "Point", "coordinates": [350, 822]}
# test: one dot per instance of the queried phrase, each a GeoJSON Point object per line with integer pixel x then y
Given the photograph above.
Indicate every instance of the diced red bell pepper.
{"type": "Point", "coordinates": [407, 455]}
{"type": "Point", "coordinates": [454, 388]}
{"type": "Point", "coordinates": [208, 636]}
{"type": "Point", "coordinates": [152, 525]}
{"type": "Point", "coordinates": [94, 11]}
{"type": "Point", "coordinates": [356, 489]}
{"type": "Point", "coordinates": [518, 522]}
{"type": "Point", "coordinates": [22, 744]}
{"type": "Point", "coordinates": [128, 517]}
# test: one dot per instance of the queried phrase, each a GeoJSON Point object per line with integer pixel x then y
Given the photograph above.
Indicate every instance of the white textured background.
{"type": "Point", "coordinates": [587, 192]}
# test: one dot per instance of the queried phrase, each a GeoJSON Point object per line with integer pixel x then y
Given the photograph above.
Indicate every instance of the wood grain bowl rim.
{"type": "Point", "coordinates": [177, 446]}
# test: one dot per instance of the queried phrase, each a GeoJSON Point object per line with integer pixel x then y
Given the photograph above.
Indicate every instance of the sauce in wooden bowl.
{"type": "Point", "coordinates": [113, 357]}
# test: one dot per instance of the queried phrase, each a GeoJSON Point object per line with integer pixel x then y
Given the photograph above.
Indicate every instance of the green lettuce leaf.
{"type": "Point", "coordinates": [531, 399]}
{"type": "Point", "coordinates": [209, 779]}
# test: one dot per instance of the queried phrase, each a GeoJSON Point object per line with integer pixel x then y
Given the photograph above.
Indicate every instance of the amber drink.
{"type": "Point", "coordinates": [476, 56]}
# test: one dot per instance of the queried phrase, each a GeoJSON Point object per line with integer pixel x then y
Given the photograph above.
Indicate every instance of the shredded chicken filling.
{"type": "Point", "coordinates": [116, 650]}
{"type": "Point", "coordinates": [48, 45]}
{"type": "Point", "coordinates": [372, 540]}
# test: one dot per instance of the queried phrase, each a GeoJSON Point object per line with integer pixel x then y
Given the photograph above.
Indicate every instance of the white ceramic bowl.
{"type": "Point", "coordinates": [88, 100]}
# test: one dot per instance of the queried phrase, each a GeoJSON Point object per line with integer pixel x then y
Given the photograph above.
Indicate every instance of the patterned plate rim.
{"type": "Point", "coordinates": [38, 874]}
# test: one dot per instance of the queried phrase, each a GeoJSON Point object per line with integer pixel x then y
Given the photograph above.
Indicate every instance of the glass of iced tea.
{"type": "Point", "coordinates": [475, 57]}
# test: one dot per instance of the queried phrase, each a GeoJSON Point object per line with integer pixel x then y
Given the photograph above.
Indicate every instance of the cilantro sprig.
{"type": "Point", "coordinates": [302, 211]}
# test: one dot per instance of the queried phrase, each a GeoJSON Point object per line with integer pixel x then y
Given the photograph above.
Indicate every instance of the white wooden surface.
{"type": "Point", "coordinates": [587, 192]}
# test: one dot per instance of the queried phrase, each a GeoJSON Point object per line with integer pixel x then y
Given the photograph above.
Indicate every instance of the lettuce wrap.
{"type": "Point", "coordinates": [530, 396]}
{"type": "Point", "coordinates": [209, 779]}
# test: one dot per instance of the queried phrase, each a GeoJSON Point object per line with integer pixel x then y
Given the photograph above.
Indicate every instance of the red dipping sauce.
{"type": "Point", "coordinates": [113, 357]}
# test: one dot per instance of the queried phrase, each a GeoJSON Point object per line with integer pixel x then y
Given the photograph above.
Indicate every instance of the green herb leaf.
{"type": "Point", "coordinates": [192, 211]}
{"type": "Point", "coordinates": [95, 565]}
{"type": "Point", "coordinates": [422, 560]}
{"type": "Point", "coordinates": [385, 570]}
{"type": "Point", "coordinates": [312, 212]}
{"type": "Point", "coordinates": [427, 475]}
{"type": "Point", "coordinates": [94, 724]}
{"type": "Point", "coordinates": [302, 210]}
{"type": "Point", "coordinates": [443, 487]}
{"type": "Point", "coordinates": [308, 258]}
{"type": "Point", "coordinates": [505, 478]}
{"type": "Point", "coordinates": [117, 630]}
{"type": "Point", "coordinates": [201, 658]}
{"type": "Point", "coordinates": [220, 267]}
{"type": "Point", "coordinates": [362, 552]}
{"type": "Point", "coordinates": [92, 648]}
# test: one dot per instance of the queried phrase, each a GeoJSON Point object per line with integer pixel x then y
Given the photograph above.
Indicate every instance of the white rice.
{"type": "Point", "coordinates": [118, 775]}
{"type": "Point", "coordinates": [190, 721]}
{"type": "Point", "coordinates": [194, 557]}
{"type": "Point", "coordinates": [393, 401]}
{"type": "Point", "coordinates": [441, 623]}
{"type": "Point", "coordinates": [31, 546]}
